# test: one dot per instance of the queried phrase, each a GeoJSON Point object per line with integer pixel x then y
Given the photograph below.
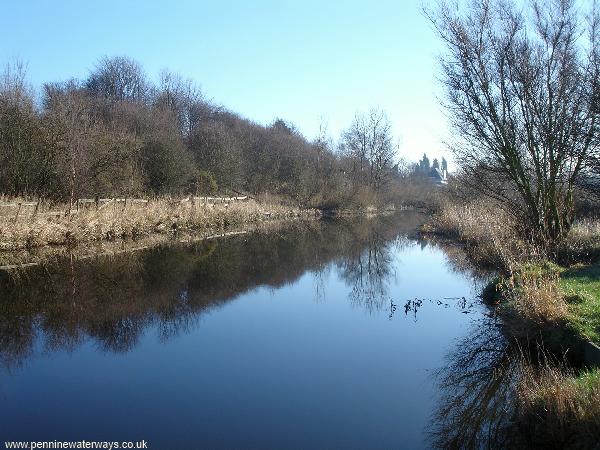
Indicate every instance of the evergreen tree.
{"type": "Point", "coordinates": [424, 164]}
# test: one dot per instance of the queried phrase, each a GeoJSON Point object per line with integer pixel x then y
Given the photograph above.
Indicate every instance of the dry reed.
{"type": "Point", "coordinates": [557, 408]}
{"type": "Point", "coordinates": [490, 234]}
{"type": "Point", "coordinates": [121, 220]}
{"type": "Point", "coordinates": [533, 292]}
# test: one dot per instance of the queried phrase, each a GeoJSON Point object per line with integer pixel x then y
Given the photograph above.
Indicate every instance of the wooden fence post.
{"type": "Point", "coordinates": [18, 211]}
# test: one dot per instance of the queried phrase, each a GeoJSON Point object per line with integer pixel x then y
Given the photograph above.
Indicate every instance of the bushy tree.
{"type": "Point", "coordinates": [522, 88]}
{"type": "Point", "coordinates": [217, 151]}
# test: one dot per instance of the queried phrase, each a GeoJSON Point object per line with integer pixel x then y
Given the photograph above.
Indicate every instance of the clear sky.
{"type": "Point", "coordinates": [303, 61]}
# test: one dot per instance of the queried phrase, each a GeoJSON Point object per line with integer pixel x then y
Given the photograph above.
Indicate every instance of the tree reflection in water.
{"type": "Point", "coordinates": [368, 271]}
{"type": "Point", "coordinates": [477, 405]}
{"type": "Point", "coordinates": [113, 300]}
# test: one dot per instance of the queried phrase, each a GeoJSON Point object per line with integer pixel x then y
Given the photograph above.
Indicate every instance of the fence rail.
{"type": "Point", "coordinates": [7, 208]}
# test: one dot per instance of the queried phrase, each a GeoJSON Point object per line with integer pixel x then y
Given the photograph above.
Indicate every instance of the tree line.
{"type": "Point", "coordinates": [118, 133]}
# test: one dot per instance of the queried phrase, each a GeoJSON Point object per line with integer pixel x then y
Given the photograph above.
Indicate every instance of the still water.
{"type": "Point", "coordinates": [317, 335]}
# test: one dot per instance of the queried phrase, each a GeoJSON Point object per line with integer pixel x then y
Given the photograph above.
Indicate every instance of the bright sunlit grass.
{"type": "Point", "coordinates": [582, 288]}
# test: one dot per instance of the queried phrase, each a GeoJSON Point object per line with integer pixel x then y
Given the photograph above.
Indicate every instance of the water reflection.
{"type": "Point", "coordinates": [323, 334]}
{"type": "Point", "coordinates": [477, 384]}
{"type": "Point", "coordinates": [367, 269]}
{"type": "Point", "coordinates": [112, 300]}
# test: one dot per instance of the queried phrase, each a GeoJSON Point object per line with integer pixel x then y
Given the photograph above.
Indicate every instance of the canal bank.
{"type": "Point", "coordinates": [549, 309]}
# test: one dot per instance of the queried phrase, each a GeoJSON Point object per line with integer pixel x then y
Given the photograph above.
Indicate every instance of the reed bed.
{"type": "Point", "coordinates": [490, 235]}
{"type": "Point", "coordinates": [582, 243]}
{"type": "Point", "coordinates": [52, 225]}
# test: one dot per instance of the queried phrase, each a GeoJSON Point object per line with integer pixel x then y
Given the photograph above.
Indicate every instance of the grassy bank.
{"type": "Point", "coordinates": [122, 220]}
{"type": "Point", "coordinates": [549, 298]}
{"type": "Point", "coordinates": [558, 309]}
{"type": "Point", "coordinates": [540, 291]}
{"type": "Point", "coordinates": [581, 288]}
{"type": "Point", "coordinates": [562, 304]}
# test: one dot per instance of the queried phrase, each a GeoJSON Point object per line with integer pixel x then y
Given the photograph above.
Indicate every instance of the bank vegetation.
{"type": "Point", "coordinates": [523, 95]}
{"type": "Point", "coordinates": [150, 143]}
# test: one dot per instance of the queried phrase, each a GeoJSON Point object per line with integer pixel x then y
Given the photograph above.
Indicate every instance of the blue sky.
{"type": "Point", "coordinates": [304, 61]}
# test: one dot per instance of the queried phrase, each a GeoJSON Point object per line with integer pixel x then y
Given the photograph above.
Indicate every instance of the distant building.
{"type": "Point", "coordinates": [438, 176]}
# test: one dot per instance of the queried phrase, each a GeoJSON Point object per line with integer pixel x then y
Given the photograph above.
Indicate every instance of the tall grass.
{"type": "Point", "coordinates": [495, 238]}
{"type": "Point", "coordinates": [120, 221]}
{"type": "Point", "coordinates": [558, 408]}
{"type": "Point", "coordinates": [582, 243]}
{"type": "Point", "coordinates": [491, 235]}
{"type": "Point", "coordinates": [533, 293]}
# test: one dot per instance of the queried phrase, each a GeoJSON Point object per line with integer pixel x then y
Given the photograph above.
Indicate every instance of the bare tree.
{"type": "Point", "coordinates": [14, 86]}
{"type": "Point", "coordinates": [119, 79]}
{"type": "Point", "coordinates": [354, 147]}
{"type": "Point", "coordinates": [522, 90]}
{"type": "Point", "coordinates": [184, 98]}
{"type": "Point", "coordinates": [27, 155]}
{"type": "Point", "coordinates": [98, 154]}
{"type": "Point", "coordinates": [69, 112]}
{"type": "Point", "coordinates": [369, 145]}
